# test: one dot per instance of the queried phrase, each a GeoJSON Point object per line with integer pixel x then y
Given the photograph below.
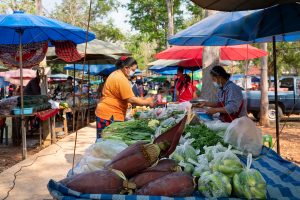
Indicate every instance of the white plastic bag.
{"type": "Point", "coordinates": [243, 134]}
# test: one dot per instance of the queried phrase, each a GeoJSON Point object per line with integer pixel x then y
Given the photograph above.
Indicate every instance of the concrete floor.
{"type": "Point", "coordinates": [53, 162]}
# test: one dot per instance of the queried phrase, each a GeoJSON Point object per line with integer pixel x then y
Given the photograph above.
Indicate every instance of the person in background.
{"type": "Point", "coordinates": [117, 94]}
{"type": "Point", "coordinates": [100, 87]}
{"type": "Point", "coordinates": [230, 103]}
{"type": "Point", "coordinates": [134, 86]}
{"type": "Point", "coordinates": [33, 86]}
{"type": "Point", "coordinates": [186, 91]}
{"type": "Point", "coordinates": [140, 86]}
{"type": "Point", "coordinates": [178, 80]}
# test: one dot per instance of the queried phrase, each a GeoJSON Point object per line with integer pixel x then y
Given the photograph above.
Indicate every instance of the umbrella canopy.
{"type": "Point", "coordinates": [169, 70]}
{"type": "Point", "coordinates": [100, 69]}
{"type": "Point", "coordinates": [188, 63]}
{"type": "Point", "coordinates": [98, 52]}
{"type": "Point", "coordinates": [237, 5]}
{"type": "Point", "coordinates": [242, 27]}
{"type": "Point", "coordinates": [238, 52]}
{"type": "Point", "coordinates": [27, 73]}
{"type": "Point", "coordinates": [58, 76]}
{"type": "Point", "coordinates": [37, 29]}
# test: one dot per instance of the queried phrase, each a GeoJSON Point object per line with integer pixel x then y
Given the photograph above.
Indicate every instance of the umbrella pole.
{"type": "Point", "coordinates": [88, 110]}
{"type": "Point", "coordinates": [24, 145]}
{"type": "Point", "coordinates": [73, 91]}
{"type": "Point", "coordinates": [192, 76]}
{"type": "Point", "coordinates": [276, 95]}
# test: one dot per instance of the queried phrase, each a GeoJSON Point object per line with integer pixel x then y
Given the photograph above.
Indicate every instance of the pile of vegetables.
{"type": "Point", "coordinates": [129, 131]}
{"type": "Point", "coordinates": [249, 183]}
{"type": "Point", "coordinates": [203, 136]}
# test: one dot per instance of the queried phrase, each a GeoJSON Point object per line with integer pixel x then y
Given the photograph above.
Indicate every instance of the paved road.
{"type": "Point", "coordinates": [52, 162]}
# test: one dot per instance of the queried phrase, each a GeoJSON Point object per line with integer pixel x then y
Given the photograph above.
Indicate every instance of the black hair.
{"type": "Point", "coordinates": [180, 69]}
{"type": "Point", "coordinates": [185, 82]}
{"type": "Point", "coordinates": [70, 78]}
{"type": "Point", "coordinates": [219, 71]}
{"type": "Point", "coordinates": [125, 61]}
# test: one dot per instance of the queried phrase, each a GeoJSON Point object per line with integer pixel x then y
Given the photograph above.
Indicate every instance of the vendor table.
{"type": "Point", "coordinates": [42, 116]}
{"type": "Point", "coordinates": [282, 177]}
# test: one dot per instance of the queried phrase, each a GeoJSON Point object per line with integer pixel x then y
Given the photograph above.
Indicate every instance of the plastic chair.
{"type": "Point", "coordinates": [268, 138]}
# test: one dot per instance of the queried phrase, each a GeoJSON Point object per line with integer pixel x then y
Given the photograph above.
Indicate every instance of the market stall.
{"type": "Point", "coordinates": [192, 147]}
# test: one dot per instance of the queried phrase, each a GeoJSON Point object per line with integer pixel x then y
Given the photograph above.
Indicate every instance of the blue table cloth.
{"type": "Point", "coordinates": [282, 177]}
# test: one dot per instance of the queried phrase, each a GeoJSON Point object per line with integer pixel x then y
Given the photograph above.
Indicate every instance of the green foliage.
{"type": "Point", "coordinates": [76, 12]}
{"type": "Point", "coordinates": [141, 48]}
{"type": "Point", "coordinates": [7, 6]}
{"type": "Point", "coordinates": [151, 18]}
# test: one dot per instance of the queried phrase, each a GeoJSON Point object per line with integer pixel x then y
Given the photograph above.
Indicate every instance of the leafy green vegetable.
{"type": "Point", "coordinates": [203, 136]}
{"type": "Point", "coordinates": [129, 131]}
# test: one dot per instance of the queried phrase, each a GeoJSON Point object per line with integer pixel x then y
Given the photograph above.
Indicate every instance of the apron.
{"type": "Point", "coordinates": [226, 117]}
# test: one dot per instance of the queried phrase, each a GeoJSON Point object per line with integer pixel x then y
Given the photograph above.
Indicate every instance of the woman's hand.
{"type": "Point", "coordinates": [212, 111]}
{"type": "Point", "coordinates": [150, 101]}
{"type": "Point", "coordinates": [200, 105]}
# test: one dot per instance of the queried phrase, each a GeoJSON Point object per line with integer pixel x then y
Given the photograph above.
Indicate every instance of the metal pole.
{"type": "Point", "coordinates": [88, 110]}
{"type": "Point", "coordinates": [23, 132]}
{"type": "Point", "coordinates": [73, 92]}
{"type": "Point", "coordinates": [276, 95]}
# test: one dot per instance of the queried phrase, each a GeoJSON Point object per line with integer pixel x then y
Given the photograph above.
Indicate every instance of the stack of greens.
{"type": "Point", "coordinates": [129, 131]}
{"type": "Point", "coordinates": [203, 136]}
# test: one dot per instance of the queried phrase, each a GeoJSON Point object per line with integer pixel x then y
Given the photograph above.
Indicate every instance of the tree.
{"type": "Point", "coordinates": [141, 48]}
{"type": "Point", "coordinates": [264, 101]}
{"type": "Point", "coordinates": [151, 18]}
{"type": "Point", "coordinates": [7, 6]}
{"type": "Point", "coordinates": [170, 18]}
{"type": "Point", "coordinates": [210, 58]}
{"type": "Point", "coordinates": [76, 12]}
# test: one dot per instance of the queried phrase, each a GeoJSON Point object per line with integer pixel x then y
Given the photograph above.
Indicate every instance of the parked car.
{"type": "Point", "coordinates": [288, 99]}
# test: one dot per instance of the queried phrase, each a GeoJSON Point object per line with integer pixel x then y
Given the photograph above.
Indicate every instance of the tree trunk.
{"type": "Point", "coordinates": [38, 7]}
{"type": "Point", "coordinates": [170, 5]}
{"type": "Point", "coordinates": [264, 101]}
{"type": "Point", "coordinates": [210, 57]}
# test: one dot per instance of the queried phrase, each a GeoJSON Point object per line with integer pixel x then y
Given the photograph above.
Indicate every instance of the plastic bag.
{"type": "Point", "coordinates": [214, 185]}
{"type": "Point", "coordinates": [227, 163]}
{"type": "Point", "coordinates": [201, 166]}
{"type": "Point", "coordinates": [218, 126]}
{"type": "Point", "coordinates": [98, 154]}
{"type": "Point", "coordinates": [243, 134]}
{"type": "Point", "coordinates": [185, 151]}
{"type": "Point", "coordinates": [211, 151]}
{"type": "Point", "coordinates": [250, 184]}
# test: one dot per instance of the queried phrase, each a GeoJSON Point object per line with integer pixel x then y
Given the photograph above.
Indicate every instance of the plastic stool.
{"type": "Point", "coordinates": [268, 138]}
{"type": "Point", "coordinates": [4, 130]}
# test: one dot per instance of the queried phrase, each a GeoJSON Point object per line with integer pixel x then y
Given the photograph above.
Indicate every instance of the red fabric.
{"type": "Point", "coordinates": [225, 117]}
{"type": "Point", "coordinates": [32, 54]}
{"type": "Point", "coordinates": [186, 93]}
{"type": "Point", "coordinates": [194, 53]}
{"type": "Point", "coordinates": [66, 50]}
{"type": "Point", "coordinates": [43, 115]}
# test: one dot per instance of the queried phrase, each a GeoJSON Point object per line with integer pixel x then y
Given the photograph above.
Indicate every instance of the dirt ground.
{"type": "Point", "coordinates": [289, 144]}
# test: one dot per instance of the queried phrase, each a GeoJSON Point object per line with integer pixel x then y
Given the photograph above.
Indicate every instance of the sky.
{"type": "Point", "coordinates": [118, 17]}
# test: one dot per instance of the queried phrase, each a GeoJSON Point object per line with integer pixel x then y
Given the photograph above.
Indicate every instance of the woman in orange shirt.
{"type": "Point", "coordinates": [116, 95]}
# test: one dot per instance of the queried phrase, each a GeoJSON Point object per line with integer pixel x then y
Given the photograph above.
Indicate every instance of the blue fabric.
{"type": "Point", "coordinates": [282, 177]}
{"type": "Point", "coordinates": [37, 29]}
{"type": "Point", "coordinates": [100, 69]}
{"type": "Point", "coordinates": [170, 70]}
{"type": "Point", "coordinates": [233, 98]}
{"type": "Point", "coordinates": [232, 28]}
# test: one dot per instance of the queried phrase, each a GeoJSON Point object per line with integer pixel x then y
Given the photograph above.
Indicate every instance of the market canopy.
{"type": "Point", "coordinates": [237, 5]}
{"type": "Point", "coordinates": [98, 52]}
{"type": "Point", "coordinates": [237, 52]}
{"type": "Point", "coordinates": [233, 28]}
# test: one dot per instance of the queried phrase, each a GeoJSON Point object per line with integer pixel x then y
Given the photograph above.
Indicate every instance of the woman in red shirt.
{"type": "Point", "coordinates": [186, 91]}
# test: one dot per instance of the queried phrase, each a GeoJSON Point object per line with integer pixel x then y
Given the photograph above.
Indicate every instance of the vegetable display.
{"type": "Point", "coordinates": [214, 185]}
{"type": "Point", "coordinates": [203, 136]}
{"type": "Point", "coordinates": [250, 184]}
{"type": "Point", "coordinates": [129, 131]}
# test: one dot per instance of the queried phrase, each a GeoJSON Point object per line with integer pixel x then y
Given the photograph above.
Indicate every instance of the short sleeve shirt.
{"type": "Point", "coordinates": [116, 91]}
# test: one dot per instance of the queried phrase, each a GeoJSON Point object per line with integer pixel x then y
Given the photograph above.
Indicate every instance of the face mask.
{"type": "Point", "coordinates": [131, 74]}
{"type": "Point", "coordinates": [216, 85]}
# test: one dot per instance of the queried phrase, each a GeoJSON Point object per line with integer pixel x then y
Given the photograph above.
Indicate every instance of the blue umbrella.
{"type": "Point", "coordinates": [35, 28]}
{"type": "Point", "coordinates": [20, 28]}
{"type": "Point", "coordinates": [274, 24]}
{"type": "Point", "coordinates": [233, 28]}
{"type": "Point", "coordinates": [100, 69]}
